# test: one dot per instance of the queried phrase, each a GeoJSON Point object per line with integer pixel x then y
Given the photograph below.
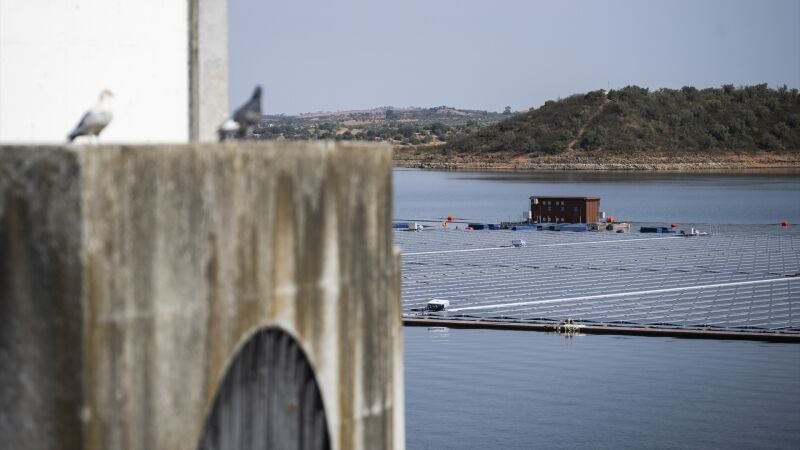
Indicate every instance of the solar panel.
{"type": "Point", "coordinates": [736, 280]}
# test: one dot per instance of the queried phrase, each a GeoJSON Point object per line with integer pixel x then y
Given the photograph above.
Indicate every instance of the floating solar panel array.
{"type": "Point", "coordinates": [732, 281]}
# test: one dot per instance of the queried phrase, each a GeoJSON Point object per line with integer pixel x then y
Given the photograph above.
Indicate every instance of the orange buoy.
{"type": "Point", "coordinates": [784, 223]}
{"type": "Point", "coordinates": [674, 225]}
{"type": "Point", "coordinates": [450, 218]}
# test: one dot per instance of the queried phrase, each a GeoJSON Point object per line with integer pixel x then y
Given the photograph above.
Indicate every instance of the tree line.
{"type": "Point", "coordinates": [634, 119]}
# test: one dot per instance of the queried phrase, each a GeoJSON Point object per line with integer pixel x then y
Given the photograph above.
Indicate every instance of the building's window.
{"type": "Point", "coordinates": [575, 209]}
{"type": "Point", "coordinates": [562, 209]}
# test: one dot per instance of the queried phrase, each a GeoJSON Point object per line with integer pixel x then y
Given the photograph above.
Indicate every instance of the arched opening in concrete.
{"type": "Point", "coordinates": [268, 399]}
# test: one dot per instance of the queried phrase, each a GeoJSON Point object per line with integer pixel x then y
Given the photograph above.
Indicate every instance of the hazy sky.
{"type": "Point", "coordinates": [316, 55]}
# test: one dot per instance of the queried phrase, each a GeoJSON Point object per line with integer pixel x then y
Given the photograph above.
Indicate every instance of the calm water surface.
{"type": "Point", "coordinates": [485, 389]}
{"type": "Point", "coordinates": [640, 197]}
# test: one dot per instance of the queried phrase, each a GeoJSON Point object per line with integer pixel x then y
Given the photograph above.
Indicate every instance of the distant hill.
{"type": "Point", "coordinates": [402, 127]}
{"type": "Point", "coordinates": [634, 120]}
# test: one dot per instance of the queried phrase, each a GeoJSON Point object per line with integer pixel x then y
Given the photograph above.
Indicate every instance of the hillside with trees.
{"type": "Point", "coordinates": [635, 121]}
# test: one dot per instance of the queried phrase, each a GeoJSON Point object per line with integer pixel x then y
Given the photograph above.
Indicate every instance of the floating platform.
{"type": "Point", "coordinates": [745, 281]}
{"type": "Point", "coordinates": [658, 230]}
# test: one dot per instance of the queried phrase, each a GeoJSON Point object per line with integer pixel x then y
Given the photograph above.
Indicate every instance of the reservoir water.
{"type": "Point", "coordinates": [485, 389]}
{"type": "Point", "coordinates": [730, 198]}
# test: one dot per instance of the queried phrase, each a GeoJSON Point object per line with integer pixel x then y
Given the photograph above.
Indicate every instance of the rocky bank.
{"type": "Point", "coordinates": [580, 160]}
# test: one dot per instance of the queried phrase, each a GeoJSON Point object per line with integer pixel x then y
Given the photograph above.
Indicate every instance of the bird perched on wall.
{"type": "Point", "coordinates": [248, 116]}
{"type": "Point", "coordinates": [228, 130]}
{"type": "Point", "coordinates": [96, 119]}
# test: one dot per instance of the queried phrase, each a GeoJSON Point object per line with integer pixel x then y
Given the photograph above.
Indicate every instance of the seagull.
{"type": "Point", "coordinates": [97, 118]}
{"type": "Point", "coordinates": [248, 116]}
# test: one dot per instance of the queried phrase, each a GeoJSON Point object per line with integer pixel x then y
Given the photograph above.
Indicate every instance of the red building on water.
{"type": "Point", "coordinates": [565, 209]}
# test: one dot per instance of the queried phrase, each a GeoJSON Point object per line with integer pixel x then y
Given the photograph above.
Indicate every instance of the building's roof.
{"type": "Point", "coordinates": [563, 197]}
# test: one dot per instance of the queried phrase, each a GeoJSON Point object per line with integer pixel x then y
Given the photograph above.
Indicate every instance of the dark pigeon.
{"type": "Point", "coordinates": [248, 116]}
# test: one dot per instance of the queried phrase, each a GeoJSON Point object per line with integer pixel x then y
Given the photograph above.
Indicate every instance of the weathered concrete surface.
{"type": "Point", "coordinates": [208, 68]}
{"type": "Point", "coordinates": [129, 276]}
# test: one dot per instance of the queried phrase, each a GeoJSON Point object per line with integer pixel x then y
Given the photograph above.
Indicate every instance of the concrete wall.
{"type": "Point", "coordinates": [56, 57]}
{"type": "Point", "coordinates": [129, 276]}
{"type": "Point", "coordinates": [209, 64]}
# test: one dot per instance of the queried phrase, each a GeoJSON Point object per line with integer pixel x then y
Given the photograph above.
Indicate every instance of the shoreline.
{"type": "Point", "coordinates": [578, 161]}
